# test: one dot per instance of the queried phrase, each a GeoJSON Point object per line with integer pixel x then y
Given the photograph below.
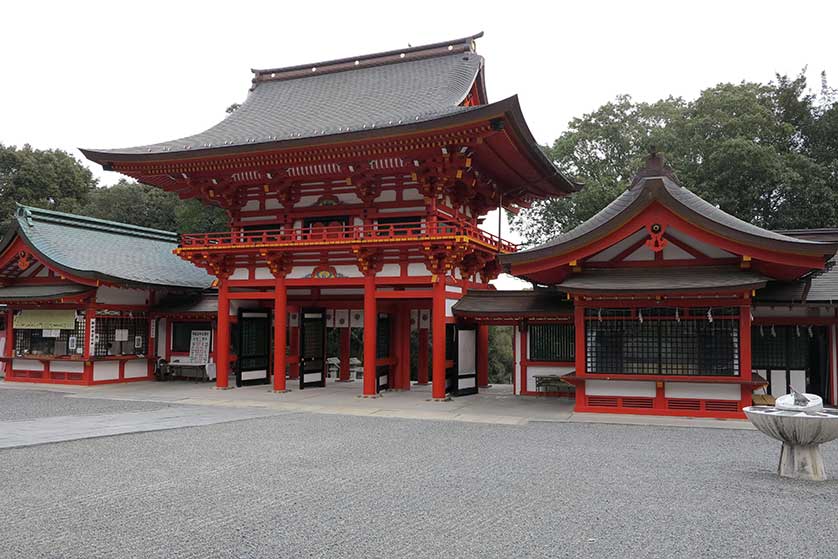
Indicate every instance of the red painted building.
{"type": "Point", "coordinates": [89, 301]}
{"type": "Point", "coordinates": [664, 304]}
{"type": "Point", "coordinates": [355, 190]}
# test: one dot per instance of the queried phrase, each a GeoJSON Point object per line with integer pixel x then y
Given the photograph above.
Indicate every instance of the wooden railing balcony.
{"type": "Point", "coordinates": [345, 234]}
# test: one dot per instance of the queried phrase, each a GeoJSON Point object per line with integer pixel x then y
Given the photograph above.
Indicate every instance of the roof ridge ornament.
{"type": "Point", "coordinates": [655, 166]}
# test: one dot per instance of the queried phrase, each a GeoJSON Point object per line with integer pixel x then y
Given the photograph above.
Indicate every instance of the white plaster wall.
{"type": "Point", "coordinates": [27, 365]}
{"type": "Point", "coordinates": [299, 292]}
{"type": "Point", "coordinates": [348, 270]}
{"type": "Point", "coordinates": [349, 198]}
{"type": "Point", "coordinates": [342, 291]}
{"type": "Point", "coordinates": [105, 370]}
{"type": "Point", "coordinates": [239, 274]}
{"type": "Point", "coordinates": [262, 273]}
{"type": "Point", "coordinates": [272, 204]}
{"type": "Point", "coordinates": [67, 366]}
{"type": "Point", "coordinates": [250, 206]}
{"type": "Point", "coordinates": [466, 356]}
{"type": "Point", "coordinates": [449, 305]}
{"type": "Point", "coordinates": [306, 201]}
{"type": "Point", "coordinates": [121, 296]}
{"type": "Point", "coordinates": [417, 269]}
{"type": "Point", "coordinates": [700, 390]}
{"type": "Point", "coordinates": [386, 196]}
{"type": "Point", "coordinates": [412, 194]}
{"type": "Point", "coordinates": [533, 372]}
{"type": "Point", "coordinates": [416, 209]}
{"type": "Point", "coordinates": [453, 289]}
{"type": "Point", "coordinates": [136, 368]}
{"type": "Point", "coordinates": [620, 388]}
{"type": "Point", "coordinates": [390, 270]}
{"type": "Point", "coordinates": [301, 272]}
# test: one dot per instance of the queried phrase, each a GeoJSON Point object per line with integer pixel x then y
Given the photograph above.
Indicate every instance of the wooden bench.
{"type": "Point", "coordinates": [552, 383]}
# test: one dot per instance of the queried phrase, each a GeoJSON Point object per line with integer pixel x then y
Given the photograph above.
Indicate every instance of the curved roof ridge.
{"type": "Point", "coordinates": [464, 44]}
{"type": "Point", "coordinates": [30, 212]}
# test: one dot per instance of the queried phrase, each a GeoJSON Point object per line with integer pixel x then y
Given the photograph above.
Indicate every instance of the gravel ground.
{"type": "Point", "coordinates": [305, 485]}
{"type": "Point", "coordinates": [28, 404]}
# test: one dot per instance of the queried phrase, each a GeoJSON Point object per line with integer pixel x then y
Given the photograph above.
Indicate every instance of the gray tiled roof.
{"type": "Point", "coordinates": [661, 280]}
{"type": "Point", "coordinates": [107, 250]}
{"type": "Point", "coordinates": [539, 302]}
{"type": "Point", "coordinates": [378, 96]}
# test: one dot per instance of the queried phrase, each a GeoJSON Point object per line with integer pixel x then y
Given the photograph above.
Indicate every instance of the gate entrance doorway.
{"type": "Point", "coordinates": [312, 348]}
{"type": "Point", "coordinates": [254, 350]}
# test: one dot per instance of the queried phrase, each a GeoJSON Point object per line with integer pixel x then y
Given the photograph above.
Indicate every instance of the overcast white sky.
{"type": "Point", "coordinates": [115, 74]}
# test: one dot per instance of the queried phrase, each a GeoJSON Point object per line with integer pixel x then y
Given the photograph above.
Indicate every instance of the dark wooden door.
{"type": "Point", "coordinates": [254, 347]}
{"type": "Point", "coordinates": [312, 348]}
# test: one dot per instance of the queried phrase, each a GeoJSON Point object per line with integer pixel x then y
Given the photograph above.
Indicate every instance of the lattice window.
{"type": "Point", "coordinates": [655, 341]}
{"type": "Point", "coordinates": [552, 342]}
{"type": "Point", "coordinates": [121, 335]}
{"type": "Point", "coordinates": [68, 342]}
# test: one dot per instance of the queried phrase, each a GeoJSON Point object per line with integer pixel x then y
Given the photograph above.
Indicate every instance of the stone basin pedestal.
{"type": "Point", "coordinates": [801, 423]}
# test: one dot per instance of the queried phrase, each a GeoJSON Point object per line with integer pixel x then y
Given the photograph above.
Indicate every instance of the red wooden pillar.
{"type": "Point", "coordinates": [483, 355]}
{"type": "Point", "coordinates": [222, 365]}
{"type": "Point", "coordinates": [580, 351]}
{"type": "Point", "coordinates": [345, 356]}
{"type": "Point", "coordinates": [438, 328]}
{"type": "Point", "coordinates": [294, 338]}
{"type": "Point", "coordinates": [745, 369]}
{"type": "Point", "coordinates": [370, 324]}
{"type": "Point", "coordinates": [280, 328]}
{"type": "Point", "coordinates": [422, 357]}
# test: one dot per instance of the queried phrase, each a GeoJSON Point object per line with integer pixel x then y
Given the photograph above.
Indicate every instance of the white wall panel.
{"type": "Point", "coordinates": [620, 388]}
{"type": "Point", "coordinates": [136, 368]}
{"type": "Point", "coordinates": [105, 370]}
{"type": "Point", "coordinates": [703, 391]}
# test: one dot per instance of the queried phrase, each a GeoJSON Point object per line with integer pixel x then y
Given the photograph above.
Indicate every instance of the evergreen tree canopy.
{"type": "Point", "coordinates": [766, 153]}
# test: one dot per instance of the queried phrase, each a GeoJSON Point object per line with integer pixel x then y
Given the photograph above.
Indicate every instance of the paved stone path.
{"type": "Point", "coordinates": [42, 430]}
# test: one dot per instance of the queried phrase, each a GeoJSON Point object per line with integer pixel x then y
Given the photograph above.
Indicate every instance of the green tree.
{"type": "Point", "coordinates": [500, 355]}
{"type": "Point", "coordinates": [51, 179]}
{"type": "Point", "coordinates": [149, 206]}
{"type": "Point", "coordinates": [763, 152]}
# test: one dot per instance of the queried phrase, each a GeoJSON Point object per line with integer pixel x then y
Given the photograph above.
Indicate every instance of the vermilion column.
{"type": "Point", "coordinates": [222, 349]}
{"type": "Point", "coordinates": [438, 327]}
{"type": "Point", "coordinates": [370, 324]}
{"type": "Point", "coordinates": [483, 355]}
{"type": "Point", "coordinates": [280, 327]}
{"type": "Point", "coordinates": [422, 358]}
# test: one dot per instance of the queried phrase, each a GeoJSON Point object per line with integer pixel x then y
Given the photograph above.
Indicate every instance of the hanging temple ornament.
{"type": "Point", "coordinates": [710, 316]}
